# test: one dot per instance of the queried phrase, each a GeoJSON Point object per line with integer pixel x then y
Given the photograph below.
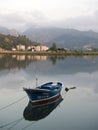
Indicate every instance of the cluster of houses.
{"type": "Point", "coordinates": [21, 47]}
{"type": "Point", "coordinates": [41, 47]}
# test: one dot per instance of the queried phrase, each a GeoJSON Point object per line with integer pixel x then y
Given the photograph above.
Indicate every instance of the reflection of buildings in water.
{"type": "Point", "coordinates": [90, 58]}
{"type": "Point", "coordinates": [21, 57]}
{"type": "Point", "coordinates": [40, 58]}
{"type": "Point", "coordinates": [29, 57]}
{"type": "Point", "coordinates": [13, 56]}
{"type": "Point", "coordinates": [14, 70]}
{"type": "Point", "coordinates": [1, 56]}
{"type": "Point", "coordinates": [35, 113]}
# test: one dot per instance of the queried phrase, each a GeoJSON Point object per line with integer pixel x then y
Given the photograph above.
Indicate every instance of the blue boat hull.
{"type": "Point", "coordinates": [42, 94]}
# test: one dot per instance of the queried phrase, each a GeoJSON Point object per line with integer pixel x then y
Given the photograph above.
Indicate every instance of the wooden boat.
{"type": "Point", "coordinates": [45, 93]}
{"type": "Point", "coordinates": [35, 113]}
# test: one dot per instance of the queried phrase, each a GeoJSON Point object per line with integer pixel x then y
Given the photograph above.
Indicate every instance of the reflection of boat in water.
{"type": "Point", "coordinates": [34, 113]}
{"type": "Point", "coordinates": [44, 94]}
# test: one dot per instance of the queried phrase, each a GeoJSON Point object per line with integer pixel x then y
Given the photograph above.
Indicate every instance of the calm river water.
{"type": "Point", "coordinates": [78, 109]}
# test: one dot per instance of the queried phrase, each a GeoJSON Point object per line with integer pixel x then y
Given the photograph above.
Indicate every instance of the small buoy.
{"type": "Point", "coordinates": [66, 89]}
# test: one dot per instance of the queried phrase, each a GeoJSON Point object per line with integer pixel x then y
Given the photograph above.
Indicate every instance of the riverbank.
{"type": "Point", "coordinates": [49, 53]}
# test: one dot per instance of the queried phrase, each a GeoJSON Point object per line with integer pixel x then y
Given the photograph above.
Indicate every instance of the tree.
{"type": "Point", "coordinates": [53, 47]}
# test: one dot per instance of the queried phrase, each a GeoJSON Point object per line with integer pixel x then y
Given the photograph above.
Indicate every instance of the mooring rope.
{"type": "Point", "coordinates": [5, 125]}
{"type": "Point", "coordinates": [26, 127]}
{"type": "Point", "coordinates": [13, 103]}
{"type": "Point", "coordinates": [16, 123]}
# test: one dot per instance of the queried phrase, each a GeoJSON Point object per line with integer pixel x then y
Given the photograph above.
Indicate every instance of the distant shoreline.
{"type": "Point", "coordinates": [69, 53]}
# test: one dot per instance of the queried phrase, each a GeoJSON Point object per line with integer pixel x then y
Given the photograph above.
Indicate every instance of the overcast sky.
{"type": "Point", "coordinates": [20, 14]}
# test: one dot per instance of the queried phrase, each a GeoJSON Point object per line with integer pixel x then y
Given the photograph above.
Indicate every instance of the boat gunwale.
{"type": "Point", "coordinates": [37, 90]}
{"type": "Point", "coordinates": [43, 104]}
{"type": "Point", "coordinates": [46, 100]}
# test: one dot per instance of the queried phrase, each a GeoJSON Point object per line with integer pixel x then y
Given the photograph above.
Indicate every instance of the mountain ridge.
{"type": "Point", "coordinates": [63, 37]}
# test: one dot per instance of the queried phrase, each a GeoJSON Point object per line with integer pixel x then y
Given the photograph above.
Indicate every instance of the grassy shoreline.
{"type": "Point", "coordinates": [50, 53]}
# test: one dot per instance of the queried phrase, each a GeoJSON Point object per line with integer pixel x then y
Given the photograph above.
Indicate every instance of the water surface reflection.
{"type": "Point", "coordinates": [78, 110]}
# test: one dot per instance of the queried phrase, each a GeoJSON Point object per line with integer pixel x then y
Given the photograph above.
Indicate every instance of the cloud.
{"type": "Point", "coordinates": [84, 22]}
{"type": "Point", "coordinates": [11, 20]}
{"type": "Point", "coordinates": [20, 20]}
{"type": "Point", "coordinates": [79, 14]}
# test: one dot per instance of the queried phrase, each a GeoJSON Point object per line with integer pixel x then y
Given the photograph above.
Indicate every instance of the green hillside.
{"type": "Point", "coordinates": [8, 41]}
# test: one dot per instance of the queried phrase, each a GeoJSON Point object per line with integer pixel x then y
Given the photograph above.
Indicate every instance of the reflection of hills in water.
{"type": "Point", "coordinates": [72, 64]}
{"type": "Point", "coordinates": [34, 113]}
{"type": "Point", "coordinates": [22, 61]}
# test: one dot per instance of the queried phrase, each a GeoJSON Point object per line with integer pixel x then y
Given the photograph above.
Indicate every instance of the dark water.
{"type": "Point", "coordinates": [76, 109]}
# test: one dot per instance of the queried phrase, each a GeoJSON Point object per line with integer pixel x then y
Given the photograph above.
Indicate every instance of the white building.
{"type": "Point", "coordinates": [1, 49]}
{"type": "Point", "coordinates": [20, 47]}
{"type": "Point", "coordinates": [13, 49]}
{"type": "Point", "coordinates": [41, 48]}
